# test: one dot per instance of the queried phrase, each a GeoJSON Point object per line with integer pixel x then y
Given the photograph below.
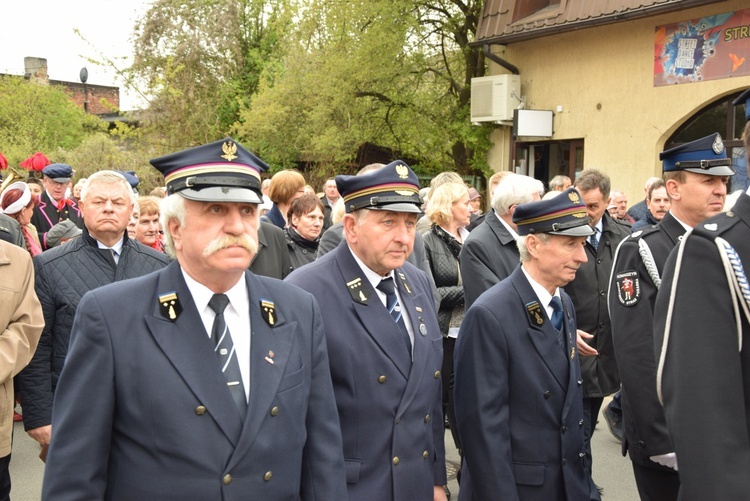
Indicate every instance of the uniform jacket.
{"type": "Point", "coordinates": [63, 275]}
{"type": "Point", "coordinates": [272, 259]}
{"type": "Point", "coordinates": [705, 377]}
{"type": "Point", "coordinates": [22, 321]}
{"type": "Point", "coordinates": [588, 291]}
{"type": "Point", "coordinates": [143, 411]}
{"type": "Point", "coordinates": [645, 431]}
{"type": "Point", "coordinates": [445, 272]}
{"type": "Point", "coordinates": [46, 215]}
{"type": "Point", "coordinates": [389, 407]}
{"type": "Point", "coordinates": [488, 255]}
{"type": "Point", "coordinates": [518, 399]}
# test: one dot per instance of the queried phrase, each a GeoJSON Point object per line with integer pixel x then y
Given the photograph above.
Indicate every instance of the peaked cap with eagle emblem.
{"type": "Point", "coordinates": [394, 187]}
{"type": "Point", "coordinates": [222, 171]}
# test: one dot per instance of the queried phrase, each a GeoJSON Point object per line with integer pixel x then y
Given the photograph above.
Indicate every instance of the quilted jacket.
{"type": "Point", "coordinates": [63, 275]}
{"type": "Point", "coordinates": [444, 266]}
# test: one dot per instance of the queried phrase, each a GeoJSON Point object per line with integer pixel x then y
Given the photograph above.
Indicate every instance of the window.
{"type": "Point", "coordinates": [525, 8]}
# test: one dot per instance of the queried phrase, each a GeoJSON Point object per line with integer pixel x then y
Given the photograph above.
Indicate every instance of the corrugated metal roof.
{"type": "Point", "coordinates": [496, 24]}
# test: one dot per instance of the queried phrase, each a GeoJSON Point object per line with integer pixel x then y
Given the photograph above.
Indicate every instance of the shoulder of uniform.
{"type": "Point", "coordinates": [715, 226]}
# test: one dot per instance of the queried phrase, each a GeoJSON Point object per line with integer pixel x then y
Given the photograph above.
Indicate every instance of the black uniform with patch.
{"type": "Point", "coordinates": [645, 431]}
{"type": "Point", "coordinates": [705, 376]}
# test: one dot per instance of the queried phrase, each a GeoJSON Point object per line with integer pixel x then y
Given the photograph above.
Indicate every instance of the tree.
{"type": "Point", "coordinates": [200, 61]}
{"type": "Point", "coordinates": [36, 117]}
{"type": "Point", "coordinates": [385, 72]}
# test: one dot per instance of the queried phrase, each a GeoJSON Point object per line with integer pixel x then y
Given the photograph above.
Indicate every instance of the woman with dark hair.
{"type": "Point", "coordinates": [18, 203]}
{"type": "Point", "coordinates": [305, 218]}
{"type": "Point", "coordinates": [286, 186]}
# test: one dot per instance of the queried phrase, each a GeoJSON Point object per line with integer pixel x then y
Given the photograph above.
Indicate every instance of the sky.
{"type": "Point", "coordinates": [46, 29]}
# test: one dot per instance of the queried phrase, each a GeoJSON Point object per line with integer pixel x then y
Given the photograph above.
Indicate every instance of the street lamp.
{"type": "Point", "coordinates": [84, 76]}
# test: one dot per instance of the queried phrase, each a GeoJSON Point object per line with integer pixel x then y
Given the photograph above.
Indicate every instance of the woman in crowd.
{"type": "Point", "coordinates": [147, 231]}
{"type": "Point", "coordinates": [18, 203]}
{"type": "Point", "coordinates": [286, 185]}
{"type": "Point", "coordinates": [305, 218]}
{"type": "Point", "coordinates": [450, 212]}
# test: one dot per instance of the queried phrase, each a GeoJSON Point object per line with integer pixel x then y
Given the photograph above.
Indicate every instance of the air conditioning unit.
{"type": "Point", "coordinates": [494, 98]}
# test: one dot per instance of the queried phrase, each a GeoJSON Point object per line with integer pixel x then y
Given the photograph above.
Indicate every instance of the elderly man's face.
{"type": "Point", "coordinates": [106, 210]}
{"type": "Point", "coordinates": [558, 259]}
{"type": "Point", "coordinates": [381, 239]}
{"type": "Point", "coordinates": [620, 201]}
{"type": "Point", "coordinates": [332, 193]}
{"type": "Point", "coordinates": [55, 189]}
{"type": "Point", "coordinates": [218, 240]}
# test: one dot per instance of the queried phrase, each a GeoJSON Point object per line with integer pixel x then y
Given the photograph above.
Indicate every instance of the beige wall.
{"type": "Point", "coordinates": [603, 79]}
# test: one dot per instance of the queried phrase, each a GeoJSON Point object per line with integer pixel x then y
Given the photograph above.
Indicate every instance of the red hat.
{"type": "Point", "coordinates": [36, 162]}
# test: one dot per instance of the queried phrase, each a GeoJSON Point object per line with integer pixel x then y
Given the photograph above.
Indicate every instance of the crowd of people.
{"type": "Point", "coordinates": [349, 328]}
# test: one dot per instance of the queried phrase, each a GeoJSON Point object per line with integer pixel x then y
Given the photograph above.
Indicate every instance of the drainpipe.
{"type": "Point", "coordinates": [497, 59]}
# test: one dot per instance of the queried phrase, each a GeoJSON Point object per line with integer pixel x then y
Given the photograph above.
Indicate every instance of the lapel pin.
{"type": "Point", "coordinates": [268, 311]}
{"type": "Point", "coordinates": [169, 306]}
{"type": "Point", "coordinates": [423, 329]}
{"type": "Point", "coordinates": [418, 308]}
{"type": "Point", "coordinates": [269, 358]}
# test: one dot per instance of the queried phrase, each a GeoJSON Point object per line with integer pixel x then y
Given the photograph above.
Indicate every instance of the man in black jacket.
{"type": "Point", "coordinates": [102, 255]}
{"type": "Point", "coordinates": [696, 175]}
{"type": "Point", "coordinates": [588, 291]}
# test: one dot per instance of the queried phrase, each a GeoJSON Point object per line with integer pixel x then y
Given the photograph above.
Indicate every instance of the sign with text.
{"type": "Point", "coordinates": [709, 48]}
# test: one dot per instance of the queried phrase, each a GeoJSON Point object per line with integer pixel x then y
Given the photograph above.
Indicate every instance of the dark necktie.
{"type": "Point", "coordinates": [557, 319]}
{"type": "Point", "coordinates": [394, 308]}
{"type": "Point", "coordinates": [224, 349]}
{"type": "Point", "coordinates": [594, 239]}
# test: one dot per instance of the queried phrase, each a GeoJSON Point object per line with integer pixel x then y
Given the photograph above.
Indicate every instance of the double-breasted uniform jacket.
{"type": "Point", "coordinates": [588, 291]}
{"type": "Point", "coordinates": [519, 399]}
{"type": "Point", "coordinates": [632, 295]}
{"type": "Point", "coordinates": [488, 255]}
{"type": "Point", "coordinates": [47, 214]}
{"type": "Point", "coordinates": [142, 410]}
{"type": "Point", "coordinates": [21, 321]}
{"type": "Point", "coordinates": [389, 406]}
{"type": "Point", "coordinates": [705, 364]}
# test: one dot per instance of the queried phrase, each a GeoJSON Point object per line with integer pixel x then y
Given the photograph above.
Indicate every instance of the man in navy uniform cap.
{"type": "Point", "coordinates": [702, 334]}
{"type": "Point", "coordinates": [518, 390]}
{"type": "Point", "coordinates": [215, 385]}
{"type": "Point", "coordinates": [696, 176]}
{"type": "Point", "coordinates": [384, 340]}
{"type": "Point", "coordinates": [54, 204]}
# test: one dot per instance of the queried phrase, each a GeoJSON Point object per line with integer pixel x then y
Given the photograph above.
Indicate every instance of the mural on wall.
{"type": "Point", "coordinates": [709, 48]}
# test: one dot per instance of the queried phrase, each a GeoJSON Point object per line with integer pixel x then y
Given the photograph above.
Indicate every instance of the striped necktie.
{"type": "Point", "coordinates": [224, 349]}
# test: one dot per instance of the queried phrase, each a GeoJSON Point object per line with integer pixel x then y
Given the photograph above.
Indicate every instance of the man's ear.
{"type": "Point", "coordinates": [350, 228]}
{"type": "Point", "coordinates": [175, 230]}
{"type": "Point", "coordinates": [532, 245]}
{"type": "Point", "coordinates": [673, 190]}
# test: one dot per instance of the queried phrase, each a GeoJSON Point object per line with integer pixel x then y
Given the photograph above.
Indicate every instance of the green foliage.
{"type": "Point", "coordinates": [36, 117]}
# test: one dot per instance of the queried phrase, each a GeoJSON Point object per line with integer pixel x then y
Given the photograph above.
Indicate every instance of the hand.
{"type": "Point", "coordinates": [439, 494]}
{"type": "Point", "coordinates": [41, 434]}
{"type": "Point", "coordinates": [585, 349]}
{"type": "Point", "coordinates": [669, 460]}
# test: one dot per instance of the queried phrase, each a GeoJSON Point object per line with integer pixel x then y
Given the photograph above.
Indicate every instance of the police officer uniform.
{"type": "Point", "coordinates": [164, 423]}
{"type": "Point", "coordinates": [518, 387]}
{"type": "Point", "coordinates": [636, 278]}
{"type": "Point", "coordinates": [702, 342]}
{"type": "Point", "coordinates": [389, 402]}
{"type": "Point", "coordinates": [49, 212]}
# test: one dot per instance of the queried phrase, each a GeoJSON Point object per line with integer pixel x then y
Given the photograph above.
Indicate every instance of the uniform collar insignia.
{"type": "Point", "coordinates": [268, 312]}
{"type": "Point", "coordinates": [406, 284]}
{"type": "Point", "coordinates": [169, 306]}
{"type": "Point", "coordinates": [358, 291]}
{"type": "Point", "coordinates": [535, 313]}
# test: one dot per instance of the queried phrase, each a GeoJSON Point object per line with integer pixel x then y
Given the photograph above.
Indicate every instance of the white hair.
{"type": "Point", "coordinates": [515, 189]}
{"type": "Point", "coordinates": [171, 207]}
{"type": "Point", "coordinates": [523, 251]}
{"type": "Point", "coordinates": [109, 177]}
